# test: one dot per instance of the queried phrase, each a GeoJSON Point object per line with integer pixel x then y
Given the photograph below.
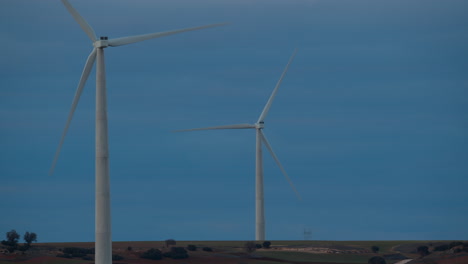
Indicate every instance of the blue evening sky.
{"type": "Point", "coordinates": [370, 121]}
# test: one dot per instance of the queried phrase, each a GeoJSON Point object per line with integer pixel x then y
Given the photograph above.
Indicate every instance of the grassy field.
{"type": "Point", "coordinates": [385, 246]}
{"type": "Point", "coordinates": [307, 257]}
{"type": "Point", "coordinates": [233, 252]}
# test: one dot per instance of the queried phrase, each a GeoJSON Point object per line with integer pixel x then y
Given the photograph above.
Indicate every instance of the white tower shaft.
{"type": "Point", "coordinates": [259, 199]}
{"type": "Point", "coordinates": [103, 250]}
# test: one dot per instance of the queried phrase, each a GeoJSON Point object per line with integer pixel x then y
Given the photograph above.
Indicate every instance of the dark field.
{"type": "Point", "coordinates": [234, 252]}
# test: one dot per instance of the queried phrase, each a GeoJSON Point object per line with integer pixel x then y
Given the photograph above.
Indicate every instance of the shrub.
{"type": "Point", "coordinates": [78, 251]}
{"type": "Point", "coordinates": [78, 255]}
{"type": "Point", "coordinates": [208, 249]}
{"type": "Point", "coordinates": [64, 256]}
{"type": "Point", "coordinates": [152, 254]}
{"type": "Point", "coordinates": [423, 251]}
{"type": "Point", "coordinates": [442, 247]}
{"type": "Point", "coordinates": [170, 242]}
{"type": "Point", "coordinates": [129, 248]}
{"type": "Point", "coordinates": [250, 246]}
{"type": "Point", "coordinates": [375, 249]}
{"type": "Point", "coordinates": [266, 244]}
{"type": "Point", "coordinates": [117, 257]}
{"type": "Point", "coordinates": [455, 243]}
{"type": "Point", "coordinates": [192, 248]}
{"type": "Point", "coordinates": [376, 260]}
{"type": "Point", "coordinates": [176, 253]}
{"type": "Point", "coordinates": [258, 246]}
{"type": "Point", "coordinates": [12, 249]}
{"type": "Point", "coordinates": [23, 248]}
{"type": "Point", "coordinates": [87, 258]}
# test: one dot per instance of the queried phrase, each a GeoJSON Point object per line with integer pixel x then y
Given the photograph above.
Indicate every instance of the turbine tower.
{"type": "Point", "coordinates": [102, 213]}
{"type": "Point", "coordinates": [260, 137]}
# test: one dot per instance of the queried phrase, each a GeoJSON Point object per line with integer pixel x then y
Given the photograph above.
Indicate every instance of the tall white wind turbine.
{"type": "Point", "coordinates": [102, 213]}
{"type": "Point", "coordinates": [260, 137]}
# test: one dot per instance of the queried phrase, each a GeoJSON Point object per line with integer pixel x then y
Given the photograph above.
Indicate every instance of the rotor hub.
{"type": "Point", "coordinates": [259, 125]}
{"type": "Point", "coordinates": [101, 43]}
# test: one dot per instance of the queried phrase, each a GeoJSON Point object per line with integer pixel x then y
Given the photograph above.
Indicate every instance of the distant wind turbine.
{"type": "Point", "coordinates": [260, 137]}
{"type": "Point", "coordinates": [102, 214]}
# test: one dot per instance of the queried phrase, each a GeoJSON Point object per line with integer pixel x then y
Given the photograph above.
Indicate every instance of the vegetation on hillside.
{"type": "Point", "coordinates": [233, 252]}
{"type": "Point", "coordinates": [12, 239]}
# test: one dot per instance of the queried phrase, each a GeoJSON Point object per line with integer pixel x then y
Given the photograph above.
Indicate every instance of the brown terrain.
{"type": "Point", "coordinates": [233, 252]}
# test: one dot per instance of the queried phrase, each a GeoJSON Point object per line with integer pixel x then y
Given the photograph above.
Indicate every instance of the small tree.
{"type": "Point", "coordinates": [266, 244]}
{"type": "Point", "coordinates": [12, 241]}
{"type": "Point", "coordinates": [117, 257]}
{"type": "Point", "coordinates": [423, 251]}
{"type": "Point", "coordinates": [207, 249]}
{"type": "Point", "coordinates": [177, 253]}
{"type": "Point", "coordinates": [152, 254]}
{"type": "Point", "coordinates": [250, 246]}
{"type": "Point", "coordinates": [442, 247]}
{"type": "Point", "coordinates": [170, 242]}
{"type": "Point", "coordinates": [375, 249]}
{"type": "Point", "coordinates": [29, 238]}
{"type": "Point", "coordinates": [12, 237]}
{"type": "Point", "coordinates": [191, 247]}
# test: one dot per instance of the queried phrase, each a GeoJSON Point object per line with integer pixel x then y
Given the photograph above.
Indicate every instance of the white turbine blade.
{"type": "Point", "coordinates": [237, 126]}
{"type": "Point", "coordinates": [83, 24]}
{"type": "Point", "coordinates": [273, 94]}
{"type": "Point", "coordinates": [79, 90]}
{"type": "Point", "coordinates": [279, 164]}
{"type": "Point", "coordinates": [133, 39]}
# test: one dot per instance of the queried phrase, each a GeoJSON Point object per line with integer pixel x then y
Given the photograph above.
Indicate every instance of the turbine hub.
{"type": "Point", "coordinates": [101, 43]}
{"type": "Point", "coordinates": [259, 125]}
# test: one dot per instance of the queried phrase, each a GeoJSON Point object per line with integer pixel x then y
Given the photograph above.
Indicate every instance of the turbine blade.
{"type": "Point", "coordinates": [133, 39]}
{"type": "Point", "coordinates": [83, 24]}
{"type": "Point", "coordinates": [279, 164]}
{"type": "Point", "coordinates": [237, 126]}
{"type": "Point", "coordinates": [79, 90]}
{"type": "Point", "coordinates": [273, 94]}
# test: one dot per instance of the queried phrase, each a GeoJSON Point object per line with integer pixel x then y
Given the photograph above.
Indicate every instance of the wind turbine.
{"type": "Point", "coordinates": [102, 214]}
{"type": "Point", "coordinates": [260, 137]}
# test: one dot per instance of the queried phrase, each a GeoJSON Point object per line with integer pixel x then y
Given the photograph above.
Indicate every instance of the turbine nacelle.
{"type": "Point", "coordinates": [259, 125]}
{"type": "Point", "coordinates": [101, 43]}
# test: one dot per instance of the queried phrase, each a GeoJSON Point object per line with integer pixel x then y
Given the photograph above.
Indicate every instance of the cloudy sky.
{"type": "Point", "coordinates": [370, 121]}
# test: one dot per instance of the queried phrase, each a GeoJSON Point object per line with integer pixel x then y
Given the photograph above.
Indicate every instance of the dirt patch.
{"type": "Point", "coordinates": [322, 250]}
